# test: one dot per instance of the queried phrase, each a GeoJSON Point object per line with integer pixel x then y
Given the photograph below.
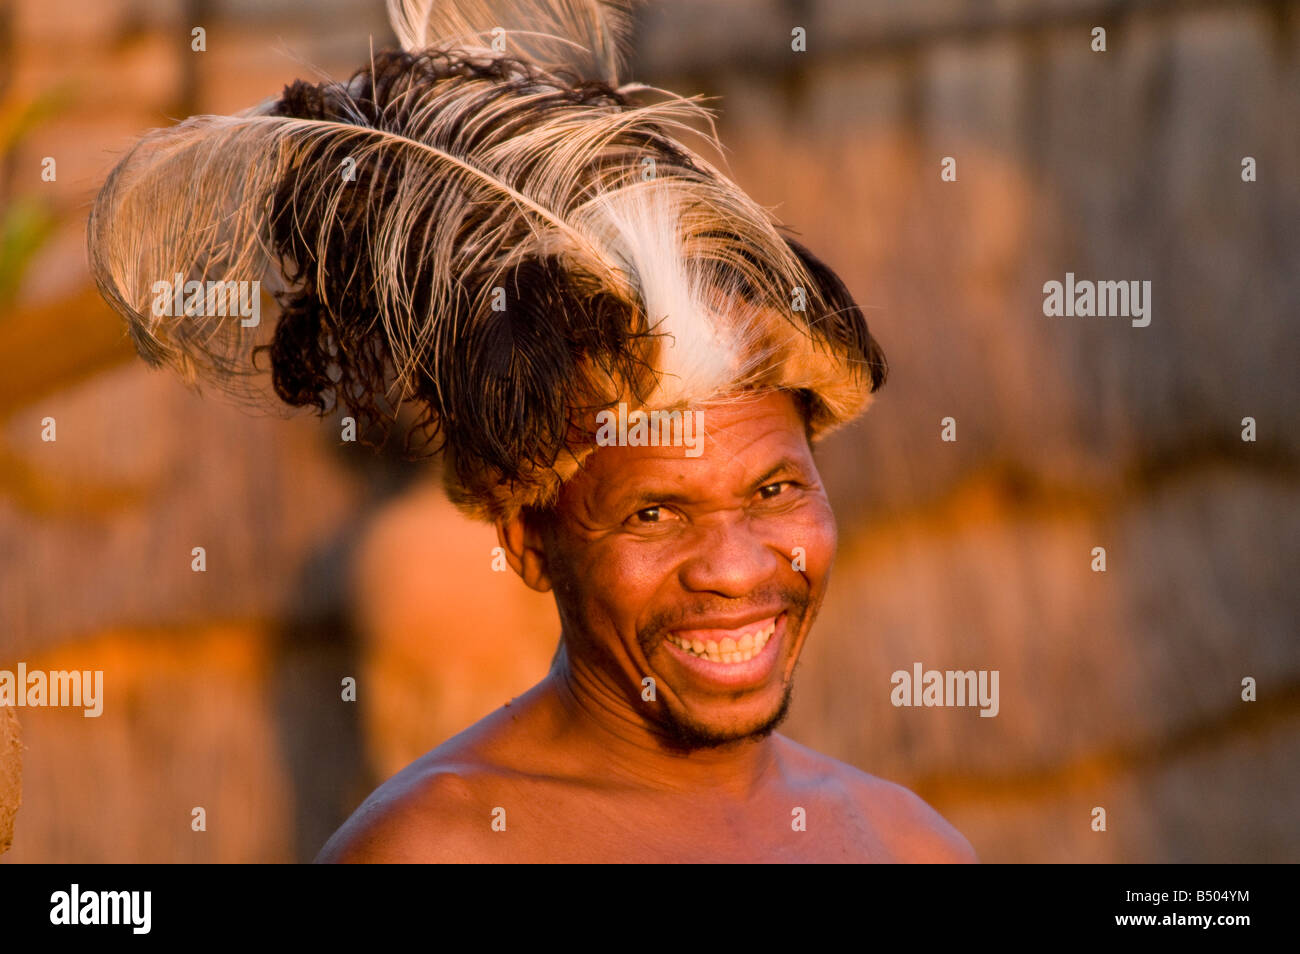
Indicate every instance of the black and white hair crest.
{"type": "Point", "coordinates": [507, 240]}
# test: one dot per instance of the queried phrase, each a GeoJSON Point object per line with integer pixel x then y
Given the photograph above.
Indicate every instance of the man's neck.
{"type": "Point", "coordinates": [632, 747]}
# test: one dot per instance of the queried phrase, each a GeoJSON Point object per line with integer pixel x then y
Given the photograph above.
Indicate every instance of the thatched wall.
{"type": "Point", "coordinates": [1119, 689]}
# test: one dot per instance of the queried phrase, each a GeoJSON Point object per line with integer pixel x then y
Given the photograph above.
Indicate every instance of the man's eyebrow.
{"type": "Point", "coordinates": [788, 464]}
{"type": "Point", "coordinates": [641, 499]}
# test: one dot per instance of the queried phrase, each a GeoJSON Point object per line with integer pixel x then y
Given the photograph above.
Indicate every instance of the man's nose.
{"type": "Point", "coordinates": [730, 558]}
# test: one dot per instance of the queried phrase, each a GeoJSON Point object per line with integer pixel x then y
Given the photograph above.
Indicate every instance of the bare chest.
{"type": "Point", "coordinates": [545, 823]}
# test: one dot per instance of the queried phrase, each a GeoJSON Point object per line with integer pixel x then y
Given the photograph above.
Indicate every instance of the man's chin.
{"type": "Point", "coordinates": [686, 734]}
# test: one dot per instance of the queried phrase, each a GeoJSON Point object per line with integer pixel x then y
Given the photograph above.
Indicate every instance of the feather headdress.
{"type": "Point", "coordinates": [507, 238]}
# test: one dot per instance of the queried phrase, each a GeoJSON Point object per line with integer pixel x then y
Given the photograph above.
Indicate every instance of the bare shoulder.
{"type": "Point", "coordinates": [915, 831]}
{"type": "Point", "coordinates": [425, 813]}
{"type": "Point", "coordinates": [911, 829]}
{"type": "Point", "coordinates": [437, 809]}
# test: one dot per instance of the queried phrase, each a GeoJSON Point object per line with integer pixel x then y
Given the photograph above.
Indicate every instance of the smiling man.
{"type": "Point", "coordinates": [511, 240]}
{"type": "Point", "coordinates": [674, 573]}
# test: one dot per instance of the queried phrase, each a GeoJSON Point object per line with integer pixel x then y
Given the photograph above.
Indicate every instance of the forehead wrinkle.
{"type": "Point", "coordinates": [672, 471]}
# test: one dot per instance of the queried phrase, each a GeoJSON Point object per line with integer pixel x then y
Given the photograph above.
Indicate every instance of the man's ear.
{"type": "Point", "coordinates": [521, 539]}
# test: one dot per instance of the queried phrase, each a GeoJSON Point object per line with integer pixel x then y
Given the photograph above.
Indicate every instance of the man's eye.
{"type": "Point", "coordinates": [772, 490]}
{"type": "Point", "coordinates": [656, 516]}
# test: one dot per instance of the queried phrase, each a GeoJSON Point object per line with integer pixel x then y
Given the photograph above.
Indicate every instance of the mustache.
{"type": "Point", "coordinates": [794, 602]}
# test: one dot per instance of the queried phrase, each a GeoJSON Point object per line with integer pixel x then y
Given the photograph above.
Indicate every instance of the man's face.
{"type": "Point", "coordinates": [703, 573]}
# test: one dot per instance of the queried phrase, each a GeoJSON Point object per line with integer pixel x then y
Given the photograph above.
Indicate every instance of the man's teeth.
{"type": "Point", "coordinates": [728, 650]}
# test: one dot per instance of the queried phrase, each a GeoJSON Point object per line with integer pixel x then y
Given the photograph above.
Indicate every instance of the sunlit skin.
{"type": "Point", "coordinates": [644, 543]}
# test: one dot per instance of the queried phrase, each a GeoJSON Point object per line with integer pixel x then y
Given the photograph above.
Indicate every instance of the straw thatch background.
{"type": "Point", "coordinates": [1119, 689]}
